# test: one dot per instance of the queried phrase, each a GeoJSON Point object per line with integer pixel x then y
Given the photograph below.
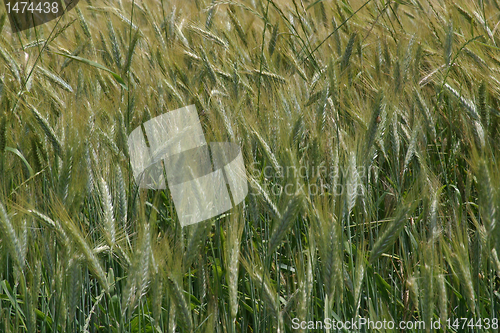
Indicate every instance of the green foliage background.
{"type": "Point", "coordinates": [397, 100]}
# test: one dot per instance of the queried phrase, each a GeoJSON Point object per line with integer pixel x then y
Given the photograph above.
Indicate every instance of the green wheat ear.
{"type": "Point", "coordinates": [49, 132]}
{"type": "Point", "coordinates": [232, 258]}
{"type": "Point", "coordinates": [177, 294]}
{"type": "Point", "coordinates": [12, 242]}
{"type": "Point", "coordinates": [196, 241]}
{"type": "Point", "coordinates": [288, 217]}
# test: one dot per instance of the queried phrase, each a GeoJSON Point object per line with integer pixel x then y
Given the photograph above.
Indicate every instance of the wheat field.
{"type": "Point", "coordinates": [370, 132]}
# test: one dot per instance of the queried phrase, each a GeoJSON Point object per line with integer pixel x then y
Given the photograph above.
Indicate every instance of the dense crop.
{"type": "Point", "coordinates": [370, 132]}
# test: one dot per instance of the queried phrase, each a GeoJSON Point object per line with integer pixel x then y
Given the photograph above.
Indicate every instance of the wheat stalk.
{"type": "Point", "coordinates": [11, 239]}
